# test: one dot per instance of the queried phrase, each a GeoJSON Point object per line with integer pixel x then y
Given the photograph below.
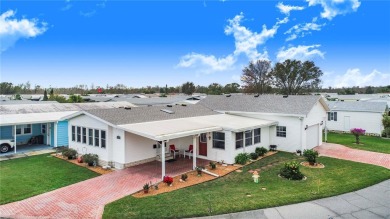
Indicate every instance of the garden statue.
{"type": "Point", "coordinates": [256, 177]}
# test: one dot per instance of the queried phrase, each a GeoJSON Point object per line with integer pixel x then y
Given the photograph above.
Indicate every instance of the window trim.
{"type": "Point", "coordinates": [219, 140]}
{"type": "Point", "coordinates": [73, 130]}
{"type": "Point", "coordinates": [91, 138]}
{"type": "Point", "coordinates": [83, 135]}
{"type": "Point", "coordinates": [103, 139]}
{"type": "Point", "coordinates": [97, 142]}
{"type": "Point", "coordinates": [254, 136]}
{"type": "Point", "coordinates": [22, 127]}
{"type": "Point", "coordinates": [248, 138]}
{"type": "Point", "coordinates": [241, 140]}
{"type": "Point", "coordinates": [332, 116]}
{"type": "Point", "coordinates": [43, 124]}
{"type": "Point", "coordinates": [279, 132]}
{"type": "Point", "coordinates": [78, 134]}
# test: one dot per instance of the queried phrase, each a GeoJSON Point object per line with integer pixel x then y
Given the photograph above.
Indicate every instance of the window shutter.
{"type": "Point", "coordinates": [328, 116]}
{"type": "Point", "coordinates": [335, 116]}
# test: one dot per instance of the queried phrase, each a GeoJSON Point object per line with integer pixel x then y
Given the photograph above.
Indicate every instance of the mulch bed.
{"type": "Point", "coordinates": [97, 169]}
{"type": "Point", "coordinates": [194, 179]}
{"type": "Point", "coordinates": [316, 165]}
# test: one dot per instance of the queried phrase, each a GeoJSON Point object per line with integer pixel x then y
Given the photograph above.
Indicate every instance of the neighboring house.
{"type": "Point", "coordinates": [218, 127]}
{"type": "Point", "coordinates": [344, 116]}
{"type": "Point", "coordinates": [21, 122]}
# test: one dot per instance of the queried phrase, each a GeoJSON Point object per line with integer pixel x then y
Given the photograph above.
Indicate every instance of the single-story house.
{"type": "Point", "coordinates": [343, 116]}
{"type": "Point", "coordinates": [218, 128]}
{"type": "Point", "coordinates": [19, 123]}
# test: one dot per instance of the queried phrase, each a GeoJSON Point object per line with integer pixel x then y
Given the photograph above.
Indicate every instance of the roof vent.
{"type": "Point", "coordinates": [257, 95]}
{"type": "Point", "coordinates": [183, 105]}
{"type": "Point", "coordinates": [285, 96]}
{"type": "Point", "coordinates": [169, 105]}
{"type": "Point", "coordinates": [228, 95]}
{"type": "Point", "coordinates": [167, 111]}
{"type": "Point", "coordinates": [149, 105]}
{"type": "Point", "coordinates": [127, 108]}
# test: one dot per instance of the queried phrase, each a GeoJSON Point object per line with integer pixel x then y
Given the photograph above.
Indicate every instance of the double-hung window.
{"type": "Point", "coordinates": [332, 116]}
{"type": "Point", "coordinates": [90, 136]}
{"type": "Point", "coordinates": [239, 140]}
{"type": "Point", "coordinates": [248, 138]}
{"type": "Point", "coordinates": [281, 131]}
{"type": "Point", "coordinates": [23, 129]}
{"type": "Point", "coordinates": [84, 135]}
{"type": "Point", "coordinates": [103, 139]}
{"type": "Point", "coordinates": [78, 128]}
{"type": "Point", "coordinates": [219, 140]}
{"type": "Point", "coordinates": [97, 137]}
{"type": "Point", "coordinates": [73, 133]}
{"type": "Point", "coordinates": [257, 135]}
{"type": "Point", "coordinates": [43, 128]}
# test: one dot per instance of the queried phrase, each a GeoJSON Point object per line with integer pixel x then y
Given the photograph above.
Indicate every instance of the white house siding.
{"type": "Point", "coordinates": [88, 122]}
{"type": "Point", "coordinates": [371, 122]}
{"type": "Point", "coordinates": [315, 117]}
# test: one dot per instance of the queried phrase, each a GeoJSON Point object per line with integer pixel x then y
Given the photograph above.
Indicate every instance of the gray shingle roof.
{"type": "Point", "coordinates": [357, 106]}
{"type": "Point", "coordinates": [300, 105]}
{"type": "Point", "coordinates": [58, 107]}
{"type": "Point", "coordinates": [148, 114]}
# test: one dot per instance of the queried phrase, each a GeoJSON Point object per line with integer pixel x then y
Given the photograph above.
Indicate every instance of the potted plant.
{"type": "Point", "coordinates": [311, 156]}
{"type": "Point", "coordinates": [168, 180]}
{"type": "Point", "coordinates": [213, 165]}
{"type": "Point", "coordinates": [199, 170]}
{"type": "Point", "coordinates": [69, 153]}
{"type": "Point", "coordinates": [146, 188]}
{"type": "Point", "coordinates": [184, 177]}
{"type": "Point", "coordinates": [91, 159]}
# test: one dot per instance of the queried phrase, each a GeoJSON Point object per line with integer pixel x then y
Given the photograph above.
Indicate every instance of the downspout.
{"type": "Point", "coordinates": [302, 134]}
{"type": "Point", "coordinates": [15, 139]}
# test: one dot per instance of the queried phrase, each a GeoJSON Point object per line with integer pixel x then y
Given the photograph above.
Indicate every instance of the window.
{"type": "Point", "coordinates": [90, 136]}
{"type": "Point", "coordinates": [257, 136]}
{"type": "Point", "coordinates": [23, 129]}
{"type": "Point", "coordinates": [97, 137]}
{"type": "Point", "coordinates": [73, 133]}
{"type": "Point", "coordinates": [78, 134]}
{"type": "Point", "coordinates": [332, 116]}
{"type": "Point", "coordinates": [239, 140]}
{"type": "Point", "coordinates": [248, 138]}
{"type": "Point", "coordinates": [203, 138]}
{"type": "Point", "coordinates": [43, 128]}
{"type": "Point", "coordinates": [219, 140]}
{"type": "Point", "coordinates": [84, 135]}
{"type": "Point", "coordinates": [103, 139]}
{"type": "Point", "coordinates": [281, 131]}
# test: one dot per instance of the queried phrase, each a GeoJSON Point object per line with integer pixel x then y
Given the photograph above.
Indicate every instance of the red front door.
{"type": "Point", "coordinates": [203, 144]}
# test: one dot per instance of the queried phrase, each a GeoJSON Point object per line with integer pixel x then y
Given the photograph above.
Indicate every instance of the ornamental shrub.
{"type": "Point", "coordinates": [357, 132]}
{"type": "Point", "coordinates": [241, 158]}
{"type": "Point", "coordinates": [90, 158]}
{"type": "Point", "coordinates": [310, 155]}
{"type": "Point", "coordinates": [168, 180]}
{"type": "Point", "coordinates": [254, 156]}
{"type": "Point", "coordinates": [291, 171]}
{"type": "Point", "coordinates": [261, 151]}
{"type": "Point", "coordinates": [70, 153]}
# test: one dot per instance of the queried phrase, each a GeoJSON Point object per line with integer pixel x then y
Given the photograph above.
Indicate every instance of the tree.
{"type": "Point", "coordinates": [231, 88]}
{"type": "Point", "coordinates": [369, 90]}
{"type": "Point", "coordinates": [256, 76]}
{"type": "Point", "coordinates": [188, 88]}
{"type": "Point", "coordinates": [215, 89]}
{"type": "Point", "coordinates": [293, 76]}
{"type": "Point", "coordinates": [386, 124]}
{"type": "Point", "coordinates": [45, 98]}
{"type": "Point", "coordinates": [75, 99]}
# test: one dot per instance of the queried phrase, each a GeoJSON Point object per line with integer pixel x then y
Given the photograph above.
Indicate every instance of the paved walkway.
{"type": "Point", "coordinates": [346, 153]}
{"type": "Point", "coordinates": [87, 199]}
{"type": "Point", "coordinates": [369, 203]}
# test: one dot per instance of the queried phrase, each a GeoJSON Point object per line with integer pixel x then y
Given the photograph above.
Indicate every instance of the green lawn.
{"type": "Point", "coordinates": [237, 191]}
{"type": "Point", "coordinates": [368, 143]}
{"type": "Point", "coordinates": [25, 177]}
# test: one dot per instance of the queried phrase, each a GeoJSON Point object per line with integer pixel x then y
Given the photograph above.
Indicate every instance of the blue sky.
{"type": "Point", "coordinates": [139, 43]}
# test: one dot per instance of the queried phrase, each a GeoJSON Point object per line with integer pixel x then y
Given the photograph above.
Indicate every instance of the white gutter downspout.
{"type": "Point", "coordinates": [302, 134]}
{"type": "Point", "coordinates": [15, 139]}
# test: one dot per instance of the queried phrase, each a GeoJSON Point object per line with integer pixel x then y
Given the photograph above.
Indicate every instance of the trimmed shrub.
{"type": "Point", "coordinates": [291, 171]}
{"type": "Point", "coordinates": [90, 158]}
{"type": "Point", "coordinates": [70, 153]}
{"type": "Point", "coordinates": [261, 151]}
{"type": "Point", "coordinates": [184, 177]}
{"type": "Point", "coordinates": [254, 156]}
{"type": "Point", "coordinates": [213, 165]}
{"type": "Point", "coordinates": [357, 132]}
{"type": "Point", "coordinates": [241, 158]}
{"type": "Point", "coordinates": [310, 155]}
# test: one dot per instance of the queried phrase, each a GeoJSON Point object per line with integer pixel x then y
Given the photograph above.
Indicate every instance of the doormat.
{"type": "Point", "coordinates": [169, 161]}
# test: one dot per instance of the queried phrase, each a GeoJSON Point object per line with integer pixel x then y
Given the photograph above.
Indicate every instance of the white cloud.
{"type": "Point", "coordinates": [213, 64]}
{"type": "Point", "coordinates": [332, 8]}
{"type": "Point", "coordinates": [354, 77]}
{"type": "Point", "coordinates": [302, 53]}
{"type": "Point", "coordinates": [67, 7]}
{"type": "Point", "coordinates": [12, 29]}
{"type": "Point", "coordinates": [301, 30]}
{"type": "Point", "coordinates": [285, 9]}
{"type": "Point", "coordinates": [246, 42]}
{"type": "Point", "coordinates": [88, 13]}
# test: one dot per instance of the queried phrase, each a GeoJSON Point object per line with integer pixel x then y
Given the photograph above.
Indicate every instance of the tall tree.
{"type": "Point", "coordinates": [369, 90]}
{"type": "Point", "coordinates": [45, 98]}
{"type": "Point", "coordinates": [256, 76]}
{"type": "Point", "coordinates": [293, 76]}
{"type": "Point", "coordinates": [188, 88]}
{"type": "Point", "coordinates": [215, 89]}
{"type": "Point", "coordinates": [231, 88]}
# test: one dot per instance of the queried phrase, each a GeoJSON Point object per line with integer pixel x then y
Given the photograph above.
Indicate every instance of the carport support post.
{"type": "Point", "coordinates": [15, 139]}
{"type": "Point", "coordinates": [163, 159]}
{"type": "Point", "coordinates": [194, 146]}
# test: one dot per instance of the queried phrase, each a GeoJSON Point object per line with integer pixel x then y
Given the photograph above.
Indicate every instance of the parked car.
{"type": "Point", "coordinates": [6, 145]}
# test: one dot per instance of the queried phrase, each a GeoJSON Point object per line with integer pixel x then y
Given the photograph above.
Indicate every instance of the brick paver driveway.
{"type": "Point", "coordinates": [346, 153]}
{"type": "Point", "coordinates": [87, 199]}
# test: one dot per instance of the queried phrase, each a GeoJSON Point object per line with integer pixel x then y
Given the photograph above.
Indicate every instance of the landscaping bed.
{"type": "Point", "coordinates": [97, 169]}
{"type": "Point", "coordinates": [237, 192]}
